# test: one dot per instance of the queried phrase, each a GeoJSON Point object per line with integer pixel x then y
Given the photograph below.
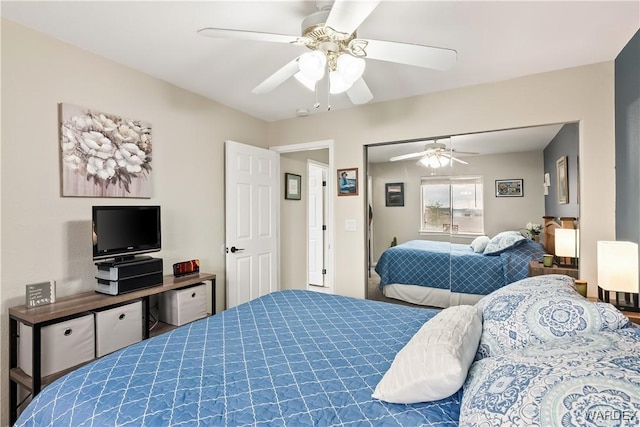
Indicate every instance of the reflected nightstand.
{"type": "Point", "coordinates": [537, 269]}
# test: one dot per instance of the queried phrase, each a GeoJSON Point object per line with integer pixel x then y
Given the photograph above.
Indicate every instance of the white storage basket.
{"type": "Point", "coordinates": [63, 345]}
{"type": "Point", "coordinates": [181, 306]}
{"type": "Point", "coordinates": [118, 327]}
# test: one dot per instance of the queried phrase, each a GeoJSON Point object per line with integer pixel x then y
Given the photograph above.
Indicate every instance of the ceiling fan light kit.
{"type": "Point", "coordinates": [343, 71]}
{"type": "Point", "coordinates": [330, 34]}
{"type": "Point", "coordinates": [434, 161]}
{"type": "Point", "coordinates": [435, 155]}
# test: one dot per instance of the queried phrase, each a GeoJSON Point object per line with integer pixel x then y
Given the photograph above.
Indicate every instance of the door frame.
{"type": "Point", "coordinates": [318, 145]}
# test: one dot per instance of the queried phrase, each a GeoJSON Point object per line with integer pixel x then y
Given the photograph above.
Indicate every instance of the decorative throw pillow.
{"type": "Point", "coordinates": [503, 241]}
{"type": "Point", "coordinates": [434, 363]}
{"type": "Point", "coordinates": [578, 381]}
{"type": "Point", "coordinates": [479, 244]}
{"type": "Point", "coordinates": [540, 309]}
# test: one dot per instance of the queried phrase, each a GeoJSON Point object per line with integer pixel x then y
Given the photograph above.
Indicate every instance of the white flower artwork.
{"type": "Point", "coordinates": [104, 155]}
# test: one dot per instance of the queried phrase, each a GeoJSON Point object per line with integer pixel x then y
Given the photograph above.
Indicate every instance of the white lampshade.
{"type": "Point", "coordinates": [350, 68]}
{"type": "Point", "coordinates": [308, 83]}
{"type": "Point", "coordinates": [337, 84]}
{"type": "Point", "coordinates": [312, 65]}
{"type": "Point", "coordinates": [618, 266]}
{"type": "Point", "coordinates": [567, 242]}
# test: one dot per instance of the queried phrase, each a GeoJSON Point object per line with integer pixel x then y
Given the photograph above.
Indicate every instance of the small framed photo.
{"type": "Point", "coordinates": [394, 194]}
{"type": "Point", "coordinates": [292, 184]}
{"type": "Point", "coordinates": [348, 182]}
{"type": "Point", "coordinates": [509, 188]}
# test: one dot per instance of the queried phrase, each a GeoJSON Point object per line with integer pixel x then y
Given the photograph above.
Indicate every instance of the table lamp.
{"type": "Point", "coordinates": [567, 246]}
{"type": "Point", "coordinates": [618, 272]}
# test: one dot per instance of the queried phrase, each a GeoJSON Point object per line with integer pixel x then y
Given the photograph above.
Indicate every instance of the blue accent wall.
{"type": "Point", "coordinates": [565, 143]}
{"type": "Point", "coordinates": [627, 121]}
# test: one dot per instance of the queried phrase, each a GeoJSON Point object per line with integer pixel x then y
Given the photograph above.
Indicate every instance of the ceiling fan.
{"type": "Point", "coordinates": [435, 155]}
{"type": "Point", "coordinates": [330, 35]}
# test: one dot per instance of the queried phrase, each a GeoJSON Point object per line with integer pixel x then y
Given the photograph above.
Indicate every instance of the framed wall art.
{"type": "Point", "coordinates": [348, 182]}
{"type": "Point", "coordinates": [292, 184]}
{"type": "Point", "coordinates": [394, 194]}
{"type": "Point", "coordinates": [103, 155]}
{"type": "Point", "coordinates": [509, 188]}
{"type": "Point", "coordinates": [563, 180]}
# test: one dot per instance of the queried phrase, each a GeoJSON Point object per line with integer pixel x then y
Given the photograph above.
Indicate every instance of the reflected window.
{"type": "Point", "coordinates": [452, 205]}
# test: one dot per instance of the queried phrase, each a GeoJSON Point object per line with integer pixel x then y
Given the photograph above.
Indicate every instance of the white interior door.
{"type": "Point", "coordinates": [252, 194]}
{"type": "Point", "coordinates": [316, 222]}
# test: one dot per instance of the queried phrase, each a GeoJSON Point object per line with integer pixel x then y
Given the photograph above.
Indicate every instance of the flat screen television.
{"type": "Point", "coordinates": [122, 232]}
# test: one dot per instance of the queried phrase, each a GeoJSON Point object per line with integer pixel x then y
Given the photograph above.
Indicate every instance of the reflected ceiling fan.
{"type": "Point", "coordinates": [330, 35]}
{"type": "Point", "coordinates": [435, 155]}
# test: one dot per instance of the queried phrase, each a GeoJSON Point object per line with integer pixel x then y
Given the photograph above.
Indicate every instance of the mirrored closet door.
{"type": "Point", "coordinates": [430, 199]}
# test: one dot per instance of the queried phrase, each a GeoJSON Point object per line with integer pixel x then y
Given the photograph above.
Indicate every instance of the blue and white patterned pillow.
{"type": "Point", "coordinates": [503, 241]}
{"type": "Point", "coordinates": [540, 309]}
{"type": "Point", "coordinates": [584, 380]}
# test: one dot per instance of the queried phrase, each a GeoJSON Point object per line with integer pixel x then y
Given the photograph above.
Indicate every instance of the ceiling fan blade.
{"type": "Point", "coordinates": [412, 54]}
{"type": "Point", "coordinates": [454, 158]}
{"type": "Point", "coordinates": [223, 33]}
{"type": "Point", "coordinates": [359, 93]}
{"type": "Point", "coordinates": [463, 152]}
{"type": "Point", "coordinates": [277, 78]}
{"type": "Point", "coordinates": [407, 156]}
{"type": "Point", "coordinates": [346, 15]}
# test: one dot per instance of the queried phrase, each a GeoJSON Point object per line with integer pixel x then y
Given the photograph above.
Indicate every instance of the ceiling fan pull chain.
{"type": "Point", "coordinates": [328, 95]}
{"type": "Point", "coordinates": [315, 92]}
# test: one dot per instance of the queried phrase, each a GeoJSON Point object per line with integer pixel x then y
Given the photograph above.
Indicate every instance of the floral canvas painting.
{"type": "Point", "coordinates": [104, 155]}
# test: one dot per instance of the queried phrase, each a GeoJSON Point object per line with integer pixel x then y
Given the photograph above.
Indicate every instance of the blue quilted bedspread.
{"type": "Point", "coordinates": [445, 265]}
{"type": "Point", "coordinates": [289, 358]}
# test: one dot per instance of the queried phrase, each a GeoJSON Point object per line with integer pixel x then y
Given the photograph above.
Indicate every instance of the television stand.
{"type": "Point", "coordinates": [72, 306]}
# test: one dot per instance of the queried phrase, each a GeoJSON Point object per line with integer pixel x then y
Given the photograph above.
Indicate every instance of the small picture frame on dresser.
{"type": "Point", "coordinates": [41, 293]}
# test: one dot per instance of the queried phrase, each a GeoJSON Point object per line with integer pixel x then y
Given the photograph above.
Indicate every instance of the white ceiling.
{"type": "Point", "coordinates": [494, 40]}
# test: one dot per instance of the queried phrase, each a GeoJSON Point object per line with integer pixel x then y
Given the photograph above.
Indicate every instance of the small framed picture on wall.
{"type": "Point", "coordinates": [292, 184]}
{"type": "Point", "coordinates": [348, 182]}
{"type": "Point", "coordinates": [394, 194]}
{"type": "Point", "coordinates": [563, 180]}
{"type": "Point", "coordinates": [509, 188]}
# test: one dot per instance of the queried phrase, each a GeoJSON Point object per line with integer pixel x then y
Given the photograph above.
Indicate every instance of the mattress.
{"type": "Point", "coordinates": [422, 295]}
{"type": "Point", "coordinates": [288, 358]}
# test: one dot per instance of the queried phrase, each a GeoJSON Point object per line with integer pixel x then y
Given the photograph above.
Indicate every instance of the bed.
{"type": "Point", "coordinates": [288, 358]}
{"type": "Point", "coordinates": [442, 274]}
{"type": "Point", "coordinates": [305, 358]}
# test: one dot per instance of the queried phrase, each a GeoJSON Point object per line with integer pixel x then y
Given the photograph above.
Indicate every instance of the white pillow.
{"type": "Point", "coordinates": [479, 244]}
{"type": "Point", "coordinates": [434, 363]}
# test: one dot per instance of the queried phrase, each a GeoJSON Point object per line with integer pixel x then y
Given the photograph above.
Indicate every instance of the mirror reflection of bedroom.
{"type": "Point", "coordinates": [453, 218]}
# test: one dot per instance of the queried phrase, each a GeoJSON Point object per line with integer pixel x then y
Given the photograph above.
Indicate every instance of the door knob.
{"type": "Point", "coordinates": [234, 249]}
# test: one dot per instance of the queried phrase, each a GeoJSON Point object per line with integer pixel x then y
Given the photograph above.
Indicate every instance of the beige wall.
{"type": "Point", "coordinates": [500, 213]}
{"type": "Point", "coordinates": [583, 94]}
{"type": "Point", "coordinates": [45, 236]}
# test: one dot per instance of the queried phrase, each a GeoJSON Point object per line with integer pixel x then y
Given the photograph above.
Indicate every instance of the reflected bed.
{"type": "Point", "coordinates": [442, 274]}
